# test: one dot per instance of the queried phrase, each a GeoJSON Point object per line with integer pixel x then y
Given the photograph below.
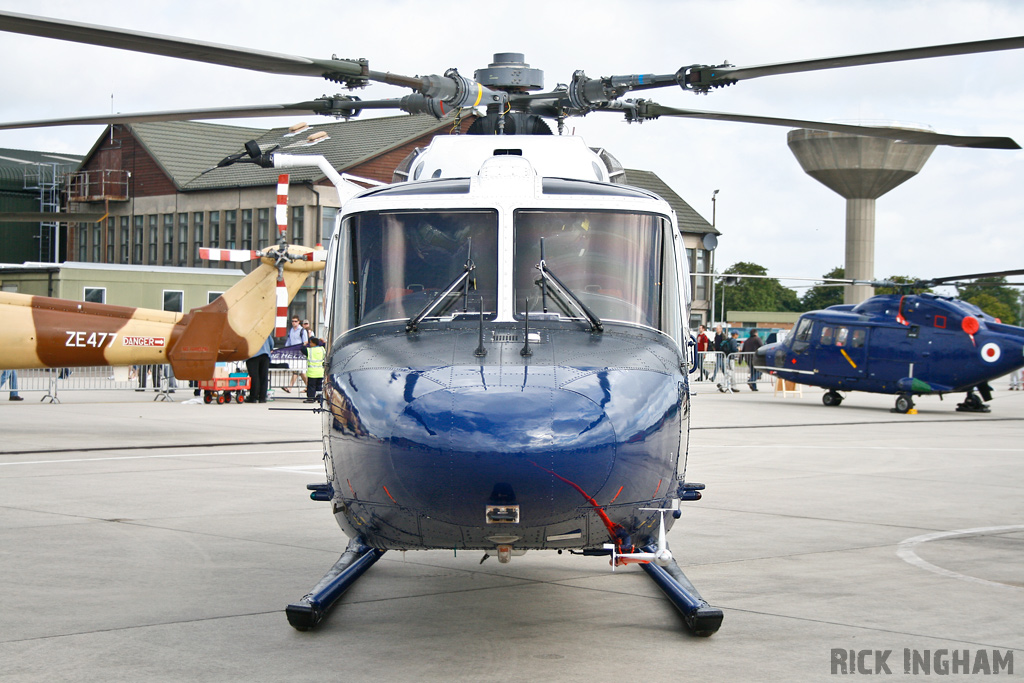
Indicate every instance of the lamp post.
{"type": "Point", "coordinates": [714, 241]}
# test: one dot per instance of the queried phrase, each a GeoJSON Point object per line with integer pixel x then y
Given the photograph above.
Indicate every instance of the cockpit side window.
{"type": "Point", "coordinates": [613, 261]}
{"type": "Point", "coordinates": [803, 330]}
{"type": "Point", "coordinates": [396, 262]}
{"type": "Point", "coordinates": [800, 339]}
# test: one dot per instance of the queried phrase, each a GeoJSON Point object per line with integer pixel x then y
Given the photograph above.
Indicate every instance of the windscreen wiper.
{"type": "Point", "coordinates": [410, 326]}
{"type": "Point", "coordinates": [568, 295]}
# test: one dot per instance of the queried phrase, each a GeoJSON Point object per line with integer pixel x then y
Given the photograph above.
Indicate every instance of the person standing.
{"type": "Point", "coordinates": [258, 368]}
{"type": "Point", "coordinates": [751, 345]}
{"type": "Point", "coordinates": [13, 377]}
{"type": "Point", "coordinates": [315, 356]}
{"type": "Point", "coordinates": [718, 345]}
{"type": "Point", "coordinates": [298, 335]}
{"type": "Point", "coordinates": [703, 346]}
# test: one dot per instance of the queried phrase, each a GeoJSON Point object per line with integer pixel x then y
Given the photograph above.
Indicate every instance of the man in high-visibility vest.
{"type": "Point", "coordinates": [315, 355]}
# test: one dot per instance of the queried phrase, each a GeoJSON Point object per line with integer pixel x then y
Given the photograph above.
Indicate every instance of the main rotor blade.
{"type": "Point", "coordinates": [729, 73]}
{"type": "Point", "coordinates": [920, 137]}
{"type": "Point", "coordinates": [198, 51]}
{"type": "Point", "coordinates": [326, 106]}
{"type": "Point", "coordinates": [972, 276]}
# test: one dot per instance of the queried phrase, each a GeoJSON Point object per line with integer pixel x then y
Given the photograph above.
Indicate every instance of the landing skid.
{"type": "Point", "coordinates": [973, 404]}
{"type": "Point", "coordinates": [357, 558]}
{"type": "Point", "coordinates": [700, 617]}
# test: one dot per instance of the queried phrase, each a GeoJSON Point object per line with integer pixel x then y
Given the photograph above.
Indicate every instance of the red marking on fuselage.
{"type": "Point", "coordinates": [605, 519]}
{"type": "Point", "coordinates": [616, 495]}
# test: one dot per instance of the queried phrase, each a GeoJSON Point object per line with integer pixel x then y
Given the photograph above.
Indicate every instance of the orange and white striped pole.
{"type": "Point", "coordinates": [282, 230]}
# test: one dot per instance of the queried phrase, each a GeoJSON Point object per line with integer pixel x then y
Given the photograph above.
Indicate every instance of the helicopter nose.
{"type": "Point", "coordinates": [458, 450]}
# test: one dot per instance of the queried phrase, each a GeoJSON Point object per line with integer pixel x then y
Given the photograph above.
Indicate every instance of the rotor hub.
{"type": "Point", "coordinates": [510, 72]}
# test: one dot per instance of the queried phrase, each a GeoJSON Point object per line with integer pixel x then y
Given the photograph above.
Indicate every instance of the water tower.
{"type": "Point", "coordinates": [861, 169]}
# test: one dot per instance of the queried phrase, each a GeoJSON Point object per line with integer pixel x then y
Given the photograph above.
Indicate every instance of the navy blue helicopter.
{"type": "Point", "coordinates": [903, 344]}
{"type": "Point", "coordinates": [506, 322]}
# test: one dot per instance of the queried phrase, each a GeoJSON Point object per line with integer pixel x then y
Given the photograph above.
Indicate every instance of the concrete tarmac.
{"type": "Point", "coordinates": [144, 541]}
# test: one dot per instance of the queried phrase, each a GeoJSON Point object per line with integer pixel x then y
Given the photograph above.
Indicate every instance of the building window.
{"type": "Point", "coordinates": [154, 238]}
{"type": "Point", "coordinates": [111, 234]}
{"type": "Point", "coordinates": [197, 235]}
{"type": "Point", "coordinates": [182, 239]}
{"type": "Point", "coordinates": [214, 230]}
{"type": "Point", "coordinates": [698, 260]}
{"type": "Point", "coordinates": [96, 295]}
{"type": "Point", "coordinates": [230, 219]}
{"type": "Point", "coordinates": [212, 296]}
{"type": "Point", "coordinates": [262, 228]}
{"type": "Point", "coordinates": [174, 300]}
{"type": "Point", "coordinates": [97, 240]}
{"type": "Point", "coordinates": [298, 224]}
{"type": "Point", "coordinates": [82, 236]}
{"type": "Point", "coordinates": [330, 214]}
{"type": "Point", "coordinates": [246, 229]}
{"type": "Point", "coordinates": [168, 239]}
{"type": "Point", "coordinates": [700, 267]}
{"type": "Point", "coordinates": [125, 238]}
{"type": "Point", "coordinates": [138, 240]}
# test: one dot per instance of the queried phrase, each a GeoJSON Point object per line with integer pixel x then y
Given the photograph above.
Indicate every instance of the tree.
{"type": "Point", "coordinates": [992, 296]}
{"type": "Point", "coordinates": [994, 307]}
{"type": "Point", "coordinates": [824, 295]}
{"type": "Point", "coordinates": [756, 294]}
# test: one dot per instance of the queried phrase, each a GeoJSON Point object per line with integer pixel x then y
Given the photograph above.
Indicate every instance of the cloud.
{"type": "Point", "coordinates": [963, 213]}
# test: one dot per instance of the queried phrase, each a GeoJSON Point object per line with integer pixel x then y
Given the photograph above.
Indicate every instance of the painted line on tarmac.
{"type": "Point", "coordinates": [304, 470]}
{"type": "Point", "coordinates": [873, 423]}
{"type": "Point", "coordinates": [905, 551]}
{"type": "Point", "coordinates": [153, 457]}
{"type": "Point", "coordinates": [93, 449]}
{"type": "Point", "coordinates": [833, 446]}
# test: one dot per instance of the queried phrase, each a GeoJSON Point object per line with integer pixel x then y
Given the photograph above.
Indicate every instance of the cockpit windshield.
{"type": "Point", "coordinates": [611, 261]}
{"type": "Point", "coordinates": [395, 263]}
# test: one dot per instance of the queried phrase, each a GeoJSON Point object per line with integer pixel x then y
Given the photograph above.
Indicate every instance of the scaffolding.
{"type": "Point", "coordinates": [45, 178]}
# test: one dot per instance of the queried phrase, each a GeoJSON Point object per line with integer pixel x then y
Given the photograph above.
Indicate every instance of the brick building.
{"type": "Point", "coordinates": [164, 196]}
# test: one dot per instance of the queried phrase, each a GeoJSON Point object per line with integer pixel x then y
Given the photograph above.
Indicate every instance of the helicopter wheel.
{"type": "Point", "coordinates": [832, 398]}
{"type": "Point", "coordinates": [903, 404]}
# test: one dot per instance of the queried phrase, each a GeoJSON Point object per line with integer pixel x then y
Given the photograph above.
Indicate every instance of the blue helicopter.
{"type": "Point", "coordinates": [506, 322]}
{"type": "Point", "coordinates": [903, 344]}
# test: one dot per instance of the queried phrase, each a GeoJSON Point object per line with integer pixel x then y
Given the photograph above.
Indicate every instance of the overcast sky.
{"type": "Point", "coordinates": [963, 213]}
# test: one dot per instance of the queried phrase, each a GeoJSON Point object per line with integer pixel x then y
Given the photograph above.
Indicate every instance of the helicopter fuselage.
{"type": "Point", "coordinates": [506, 364]}
{"type": "Point", "coordinates": [892, 344]}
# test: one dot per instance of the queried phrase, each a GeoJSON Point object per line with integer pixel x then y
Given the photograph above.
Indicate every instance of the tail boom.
{"type": "Point", "coordinates": [42, 332]}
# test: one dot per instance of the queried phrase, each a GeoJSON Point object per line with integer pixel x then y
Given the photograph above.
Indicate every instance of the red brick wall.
{"type": "Point", "coordinates": [146, 180]}
{"type": "Point", "coordinates": [381, 167]}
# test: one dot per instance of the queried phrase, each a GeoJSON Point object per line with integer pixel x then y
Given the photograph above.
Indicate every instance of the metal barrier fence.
{"type": "Point", "coordinates": [742, 370]}
{"type": "Point", "coordinates": [727, 372]}
{"type": "Point", "coordinates": [711, 369]}
{"type": "Point", "coordinates": [157, 378]}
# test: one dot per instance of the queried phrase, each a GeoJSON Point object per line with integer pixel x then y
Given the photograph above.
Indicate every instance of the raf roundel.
{"type": "Point", "coordinates": [990, 352]}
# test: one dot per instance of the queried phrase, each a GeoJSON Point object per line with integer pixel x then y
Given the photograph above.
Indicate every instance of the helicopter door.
{"type": "Point", "coordinates": [842, 350]}
{"type": "Point", "coordinates": [898, 353]}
